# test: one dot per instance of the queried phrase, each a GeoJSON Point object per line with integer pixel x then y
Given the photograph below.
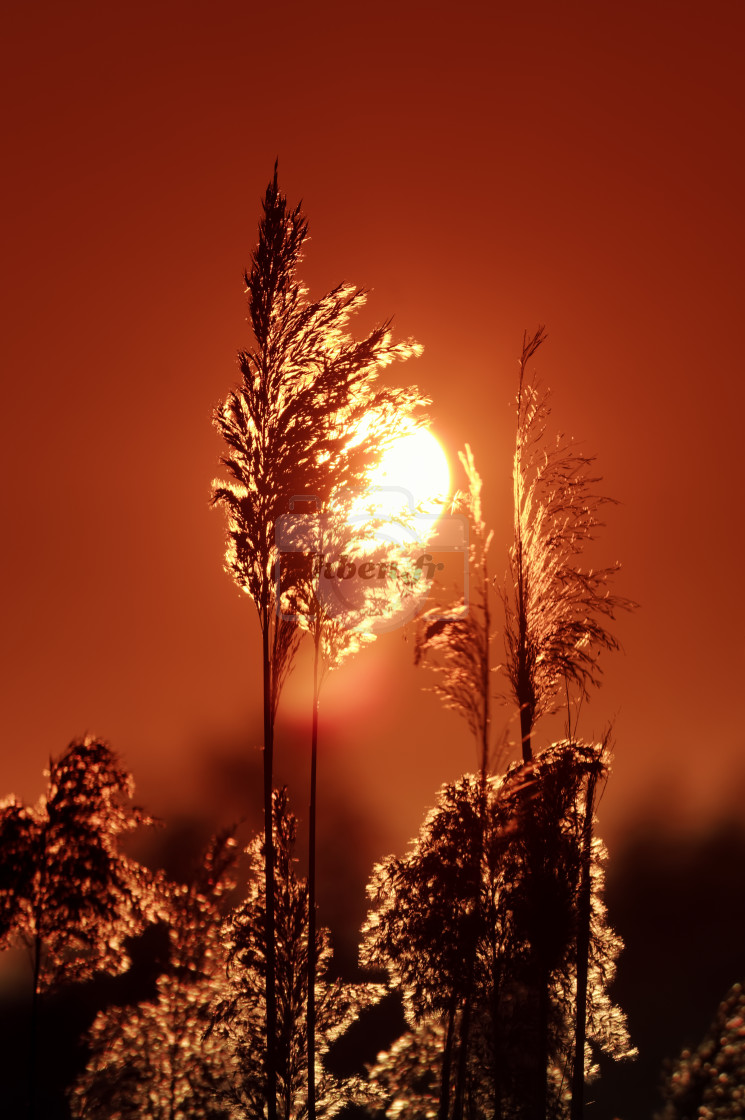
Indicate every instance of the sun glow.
{"type": "Point", "coordinates": [380, 572]}
{"type": "Point", "coordinates": [416, 463]}
{"type": "Point", "coordinates": [410, 484]}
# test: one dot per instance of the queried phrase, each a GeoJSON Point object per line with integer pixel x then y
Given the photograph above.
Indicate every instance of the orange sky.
{"type": "Point", "coordinates": [578, 165]}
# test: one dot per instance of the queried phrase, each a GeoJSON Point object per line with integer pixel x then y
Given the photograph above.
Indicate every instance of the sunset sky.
{"type": "Point", "coordinates": [482, 169]}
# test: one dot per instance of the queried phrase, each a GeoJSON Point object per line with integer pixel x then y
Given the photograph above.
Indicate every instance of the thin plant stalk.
{"type": "Point", "coordinates": [311, 1015]}
{"type": "Point", "coordinates": [583, 952]}
{"type": "Point", "coordinates": [447, 1056]}
{"type": "Point", "coordinates": [485, 670]}
{"type": "Point", "coordinates": [271, 951]}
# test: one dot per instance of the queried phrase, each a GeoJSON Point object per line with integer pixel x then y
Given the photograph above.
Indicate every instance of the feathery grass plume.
{"type": "Point", "coordinates": [422, 905]}
{"type": "Point", "coordinates": [458, 650]}
{"type": "Point", "coordinates": [238, 1018]}
{"type": "Point", "coordinates": [555, 609]}
{"type": "Point", "coordinates": [292, 427]}
{"type": "Point", "coordinates": [406, 1077]}
{"type": "Point", "coordinates": [152, 1059]}
{"type": "Point", "coordinates": [708, 1083]}
{"type": "Point", "coordinates": [477, 927]}
{"type": "Point", "coordinates": [430, 922]}
{"type": "Point", "coordinates": [67, 891]}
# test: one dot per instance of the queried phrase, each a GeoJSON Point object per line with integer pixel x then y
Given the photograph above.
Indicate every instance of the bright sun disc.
{"type": "Point", "coordinates": [416, 463]}
{"type": "Point", "coordinates": [412, 480]}
{"type": "Point", "coordinates": [385, 572]}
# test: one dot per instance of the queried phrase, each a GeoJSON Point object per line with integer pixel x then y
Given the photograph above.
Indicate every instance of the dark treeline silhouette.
{"type": "Point", "coordinates": [677, 902]}
{"type": "Point", "coordinates": [66, 1016]}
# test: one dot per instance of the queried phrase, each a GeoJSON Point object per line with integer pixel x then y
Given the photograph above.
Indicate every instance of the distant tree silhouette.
{"type": "Point", "coordinates": [555, 609]}
{"type": "Point", "coordinates": [292, 428]}
{"type": "Point", "coordinates": [152, 1059]}
{"type": "Point", "coordinates": [67, 891]}
{"type": "Point", "coordinates": [239, 1017]}
{"type": "Point", "coordinates": [708, 1083]}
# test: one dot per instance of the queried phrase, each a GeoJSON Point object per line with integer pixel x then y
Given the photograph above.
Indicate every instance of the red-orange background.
{"type": "Point", "coordinates": [481, 168]}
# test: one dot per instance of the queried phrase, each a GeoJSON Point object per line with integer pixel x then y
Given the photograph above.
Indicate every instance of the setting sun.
{"type": "Point", "coordinates": [416, 463]}
{"type": "Point", "coordinates": [412, 480]}
{"type": "Point", "coordinates": [383, 573]}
